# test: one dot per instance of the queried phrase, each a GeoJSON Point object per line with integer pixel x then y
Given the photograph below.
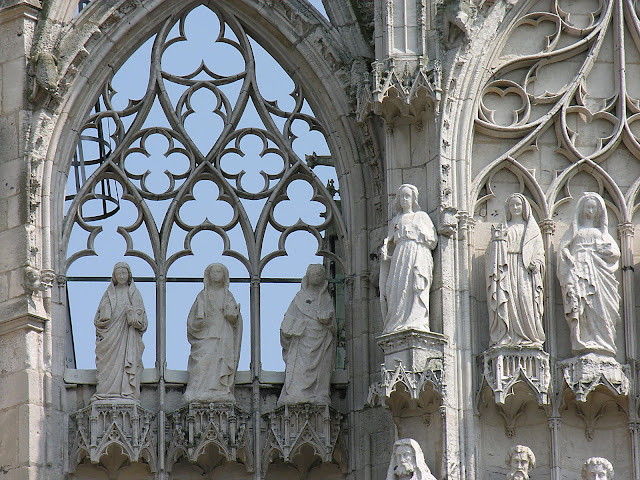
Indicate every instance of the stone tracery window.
{"type": "Point", "coordinates": [201, 148]}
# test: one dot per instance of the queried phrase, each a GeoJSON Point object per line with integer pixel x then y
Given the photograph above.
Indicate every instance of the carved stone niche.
{"type": "Point", "coordinates": [504, 367]}
{"type": "Point", "coordinates": [584, 373]}
{"type": "Point", "coordinates": [400, 87]}
{"type": "Point", "coordinates": [303, 434]}
{"type": "Point", "coordinates": [209, 434]}
{"type": "Point", "coordinates": [118, 422]}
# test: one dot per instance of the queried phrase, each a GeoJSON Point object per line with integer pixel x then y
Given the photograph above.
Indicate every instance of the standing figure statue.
{"type": "Point", "coordinates": [515, 269]}
{"type": "Point", "coordinates": [214, 330]}
{"type": "Point", "coordinates": [597, 468]}
{"type": "Point", "coordinates": [406, 269]}
{"type": "Point", "coordinates": [120, 321]}
{"type": "Point", "coordinates": [520, 460]}
{"type": "Point", "coordinates": [308, 339]}
{"type": "Point", "coordinates": [407, 462]}
{"type": "Point", "coordinates": [587, 265]}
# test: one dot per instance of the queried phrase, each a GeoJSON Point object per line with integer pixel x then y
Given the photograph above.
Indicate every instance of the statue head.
{"type": "Point", "coordinates": [121, 274]}
{"type": "Point", "coordinates": [517, 205]}
{"type": "Point", "coordinates": [520, 460]}
{"type": "Point", "coordinates": [407, 461]}
{"type": "Point", "coordinates": [406, 193]}
{"type": "Point", "coordinates": [315, 274]}
{"type": "Point", "coordinates": [597, 468]}
{"type": "Point", "coordinates": [591, 211]}
{"type": "Point", "coordinates": [216, 274]}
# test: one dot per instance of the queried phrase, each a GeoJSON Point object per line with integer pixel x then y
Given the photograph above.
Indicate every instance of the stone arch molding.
{"type": "Point", "coordinates": [97, 41]}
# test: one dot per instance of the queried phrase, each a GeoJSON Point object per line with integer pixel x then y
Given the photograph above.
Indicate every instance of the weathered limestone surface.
{"type": "Point", "coordinates": [475, 104]}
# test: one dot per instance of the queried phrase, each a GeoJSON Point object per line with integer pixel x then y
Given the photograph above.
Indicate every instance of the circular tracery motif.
{"type": "Point", "coordinates": [205, 123]}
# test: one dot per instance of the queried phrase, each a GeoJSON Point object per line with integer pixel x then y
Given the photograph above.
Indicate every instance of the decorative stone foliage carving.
{"type": "Point", "coordinates": [292, 427]}
{"type": "Point", "coordinates": [120, 321]}
{"type": "Point", "coordinates": [214, 330]}
{"type": "Point", "coordinates": [597, 468]}
{"type": "Point", "coordinates": [587, 265]}
{"type": "Point", "coordinates": [407, 462]}
{"type": "Point", "coordinates": [505, 367]}
{"type": "Point", "coordinates": [406, 269]}
{"type": "Point", "coordinates": [308, 339]}
{"type": "Point", "coordinates": [120, 422]}
{"type": "Point", "coordinates": [584, 373]}
{"type": "Point", "coordinates": [520, 460]}
{"type": "Point", "coordinates": [198, 426]}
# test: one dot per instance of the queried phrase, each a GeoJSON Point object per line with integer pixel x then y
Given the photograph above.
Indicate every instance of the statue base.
{"type": "Point", "coordinates": [196, 426]}
{"type": "Point", "coordinates": [413, 349]}
{"type": "Point", "coordinates": [109, 421]}
{"type": "Point", "coordinates": [290, 428]}
{"type": "Point", "coordinates": [584, 373]}
{"type": "Point", "coordinates": [506, 366]}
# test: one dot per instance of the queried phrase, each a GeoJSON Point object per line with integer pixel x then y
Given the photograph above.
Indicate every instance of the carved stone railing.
{"type": "Point", "coordinates": [192, 429]}
{"type": "Point", "coordinates": [292, 427]}
{"type": "Point", "coordinates": [504, 367]}
{"type": "Point", "coordinates": [584, 373]}
{"type": "Point", "coordinates": [118, 422]}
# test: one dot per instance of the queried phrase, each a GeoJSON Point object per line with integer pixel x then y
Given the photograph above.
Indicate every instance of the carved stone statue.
{"type": "Point", "coordinates": [406, 270]}
{"type": "Point", "coordinates": [308, 339]}
{"type": "Point", "coordinates": [520, 460]}
{"type": "Point", "coordinates": [214, 330]}
{"type": "Point", "coordinates": [587, 264]}
{"type": "Point", "coordinates": [407, 462]}
{"type": "Point", "coordinates": [120, 321]}
{"type": "Point", "coordinates": [597, 468]}
{"type": "Point", "coordinates": [515, 269]}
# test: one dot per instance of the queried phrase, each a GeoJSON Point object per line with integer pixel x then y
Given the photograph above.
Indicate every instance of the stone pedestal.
{"type": "Point", "coordinates": [412, 349]}
{"type": "Point", "coordinates": [584, 373]}
{"type": "Point", "coordinates": [120, 422]}
{"type": "Point", "coordinates": [195, 427]}
{"type": "Point", "coordinates": [506, 366]}
{"type": "Point", "coordinates": [291, 427]}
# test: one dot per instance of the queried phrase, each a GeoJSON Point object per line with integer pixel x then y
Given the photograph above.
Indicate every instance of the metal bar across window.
{"type": "Point", "coordinates": [195, 279]}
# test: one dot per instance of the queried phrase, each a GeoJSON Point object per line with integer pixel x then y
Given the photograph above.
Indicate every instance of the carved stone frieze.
{"type": "Point", "coordinates": [504, 367]}
{"type": "Point", "coordinates": [120, 422]}
{"type": "Point", "coordinates": [414, 382]}
{"type": "Point", "coordinates": [400, 88]}
{"type": "Point", "coordinates": [197, 426]}
{"type": "Point", "coordinates": [584, 373]}
{"type": "Point", "coordinates": [291, 427]}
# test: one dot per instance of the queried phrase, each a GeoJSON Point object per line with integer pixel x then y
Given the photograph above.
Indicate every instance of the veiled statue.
{"type": "Point", "coordinates": [406, 270]}
{"type": "Point", "coordinates": [515, 270]}
{"type": "Point", "coordinates": [587, 265]}
{"type": "Point", "coordinates": [214, 330]}
{"type": "Point", "coordinates": [407, 462]}
{"type": "Point", "coordinates": [120, 321]}
{"type": "Point", "coordinates": [308, 339]}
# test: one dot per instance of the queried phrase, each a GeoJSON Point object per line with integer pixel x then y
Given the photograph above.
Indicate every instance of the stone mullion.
{"type": "Point", "coordinates": [548, 228]}
{"type": "Point", "coordinates": [625, 231]}
{"type": "Point", "coordinates": [554, 433]}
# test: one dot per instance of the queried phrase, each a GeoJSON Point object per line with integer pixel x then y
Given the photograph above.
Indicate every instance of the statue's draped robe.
{"type": "Point", "coordinates": [587, 264]}
{"type": "Point", "coordinates": [215, 346]}
{"type": "Point", "coordinates": [405, 287]}
{"type": "Point", "coordinates": [515, 292]}
{"type": "Point", "coordinates": [308, 347]}
{"type": "Point", "coordinates": [119, 345]}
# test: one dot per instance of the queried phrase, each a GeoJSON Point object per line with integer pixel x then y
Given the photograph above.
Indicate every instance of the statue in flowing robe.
{"type": "Point", "coordinates": [120, 321]}
{"type": "Point", "coordinates": [407, 462]}
{"type": "Point", "coordinates": [587, 265]}
{"type": "Point", "coordinates": [515, 272]}
{"type": "Point", "coordinates": [406, 270]}
{"type": "Point", "coordinates": [214, 330]}
{"type": "Point", "coordinates": [308, 339]}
